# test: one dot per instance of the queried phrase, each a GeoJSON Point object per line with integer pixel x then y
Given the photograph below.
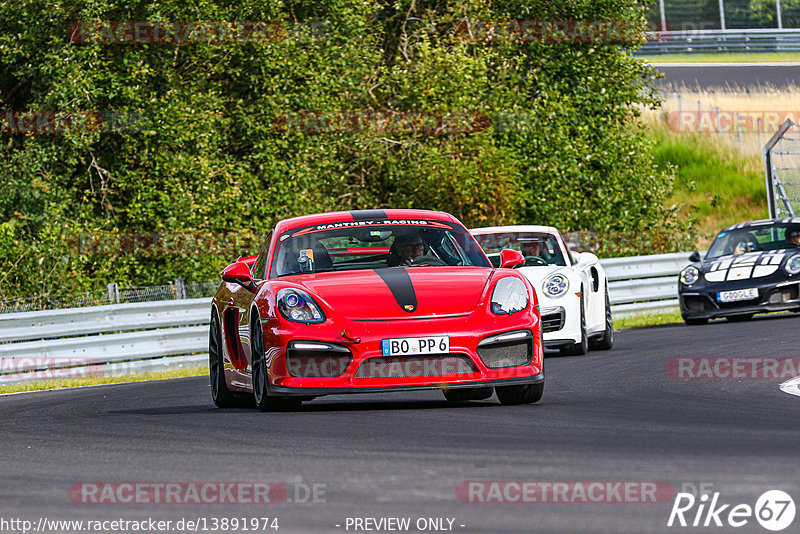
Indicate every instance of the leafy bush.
{"type": "Point", "coordinates": [199, 139]}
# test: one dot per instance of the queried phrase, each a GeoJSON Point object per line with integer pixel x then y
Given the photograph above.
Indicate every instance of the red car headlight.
{"type": "Point", "coordinates": [296, 305]}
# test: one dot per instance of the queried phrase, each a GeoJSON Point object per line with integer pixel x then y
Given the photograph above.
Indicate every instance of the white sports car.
{"type": "Point", "coordinates": [572, 287]}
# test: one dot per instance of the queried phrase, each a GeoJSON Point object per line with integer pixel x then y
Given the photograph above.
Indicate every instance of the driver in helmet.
{"type": "Point", "coordinates": [793, 236]}
{"type": "Point", "coordinates": [534, 248]}
{"type": "Point", "coordinates": [531, 248]}
{"type": "Point", "coordinates": [743, 245]}
{"type": "Point", "coordinates": [407, 248]}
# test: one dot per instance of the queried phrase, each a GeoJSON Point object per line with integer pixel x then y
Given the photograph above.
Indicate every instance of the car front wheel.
{"type": "Point", "coordinates": [581, 347]}
{"type": "Point", "coordinates": [220, 394]}
{"type": "Point", "coordinates": [263, 400]}
{"type": "Point", "coordinates": [527, 394]}
{"type": "Point", "coordinates": [606, 341]}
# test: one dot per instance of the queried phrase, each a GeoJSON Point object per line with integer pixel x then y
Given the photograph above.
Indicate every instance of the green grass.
{"type": "Point", "coordinates": [94, 381]}
{"type": "Point", "coordinates": [724, 58]}
{"type": "Point", "coordinates": [714, 183]}
{"type": "Point", "coordinates": [647, 319]}
{"type": "Point", "coordinates": [656, 319]}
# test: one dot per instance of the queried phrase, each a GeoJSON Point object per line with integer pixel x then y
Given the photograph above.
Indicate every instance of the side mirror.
{"type": "Point", "coordinates": [238, 273]}
{"type": "Point", "coordinates": [247, 260]}
{"type": "Point", "coordinates": [695, 256]}
{"type": "Point", "coordinates": [586, 258]}
{"type": "Point", "coordinates": [511, 258]}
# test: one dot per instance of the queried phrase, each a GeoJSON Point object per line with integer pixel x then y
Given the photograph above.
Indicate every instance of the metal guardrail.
{"type": "Point", "coordinates": [712, 41]}
{"type": "Point", "coordinates": [132, 338]}
{"type": "Point", "coordinates": [80, 341]}
{"type": "Point", "coordinates": [101, 319]}
{"type": "Point", "coordinates": [643, 284]}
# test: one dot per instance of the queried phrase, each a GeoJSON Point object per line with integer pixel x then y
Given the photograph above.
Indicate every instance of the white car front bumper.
{"type": "Point", "coordinates": [561, 320]}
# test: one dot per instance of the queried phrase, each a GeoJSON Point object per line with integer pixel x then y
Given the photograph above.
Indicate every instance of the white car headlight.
{"type": "Point", "coordinates": [555, 285]}
{"type": "Point", "coordinates": [793, 265]}
{"type": "Point", "coordinates": [509, 296]}
{"type": "Point", "coordinates": [690, 275]}
{"type": "Point", "coordinates": [298, 306]}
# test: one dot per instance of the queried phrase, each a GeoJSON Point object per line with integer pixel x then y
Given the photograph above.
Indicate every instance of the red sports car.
{"type": "Point", "coordinates": [371, 301]}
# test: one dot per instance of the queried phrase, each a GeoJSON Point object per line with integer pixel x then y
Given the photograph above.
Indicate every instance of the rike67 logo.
{"type": "Point", "coordinates": [774, 510]}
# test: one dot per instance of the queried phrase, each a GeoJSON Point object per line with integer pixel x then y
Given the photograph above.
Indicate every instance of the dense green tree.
{"type": "Point", "coordinates": [345, 104]}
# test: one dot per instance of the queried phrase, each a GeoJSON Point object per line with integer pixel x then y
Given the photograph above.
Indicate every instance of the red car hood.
{"type": "Point", "coordinates": [378, 294]}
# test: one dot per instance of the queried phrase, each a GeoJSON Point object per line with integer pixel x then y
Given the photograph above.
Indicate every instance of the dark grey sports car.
{"type": "Point", "coordinates": [750, 268]}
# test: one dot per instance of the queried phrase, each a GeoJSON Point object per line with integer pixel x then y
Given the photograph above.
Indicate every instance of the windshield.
{"type": "Point", "coordinates": [349, 246]}
{"type": "Point", "coordinates": [770, 236]}
{"type": "Point", "coordinates": [538, 248]}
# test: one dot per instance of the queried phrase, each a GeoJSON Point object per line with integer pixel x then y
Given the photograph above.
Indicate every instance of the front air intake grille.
{"type": "Point", "coordinates": [552, 319]}
{"type": "Point", "coordinates": [408, 366]}
{"type": "Point", "coordinates": [314, 359]}
{"type": "Point", "coordinates": [511, 349]}
{"type": "Point", "coordinates": [697, 303]}
{"type": "Point", "coordinates": [784, 294]}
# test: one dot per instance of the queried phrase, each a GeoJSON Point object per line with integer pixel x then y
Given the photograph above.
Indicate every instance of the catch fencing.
{"type": "Point", "coordinates": [121, 339]}
{"type": "Point", "coordinates": [113, 294]}
{"type": "Point", "coordinates": [782, 171]}
{"type": "Point", "coordinates": [714, 26]}
{"type": "Point", "coordinates": [730, 15]}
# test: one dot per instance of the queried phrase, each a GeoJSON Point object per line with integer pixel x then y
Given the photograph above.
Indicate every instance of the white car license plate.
{"type": "Point", "coordinates": [739, 294]}
{"type": "Point", "coordinates": [415, 345]}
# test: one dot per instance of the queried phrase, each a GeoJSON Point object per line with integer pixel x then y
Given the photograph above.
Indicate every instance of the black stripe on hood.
{"type": "Point", "coordinates": [368, 215]}
{"type": "Point", "coordinates": [400, 285]}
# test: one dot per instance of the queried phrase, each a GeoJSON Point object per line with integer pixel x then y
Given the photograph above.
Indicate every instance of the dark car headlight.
{"type": "Point", "coordinates": [298, 306]}
{"type": "Point", "coordinates": [793, 264]}
{"type": "Point", "coordinates": [690, 275]}
{"type": "Point", "coordinates": [509, 296]}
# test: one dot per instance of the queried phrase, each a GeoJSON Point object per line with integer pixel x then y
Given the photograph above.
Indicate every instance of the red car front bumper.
{"type": "Point", "coordinates": [503, 351]}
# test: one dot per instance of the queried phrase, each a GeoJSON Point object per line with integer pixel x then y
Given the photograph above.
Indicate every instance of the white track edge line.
{"type": "Point", "coordinates": [791, 386]}
{"type": "Point", "coordinates": [743, 64]}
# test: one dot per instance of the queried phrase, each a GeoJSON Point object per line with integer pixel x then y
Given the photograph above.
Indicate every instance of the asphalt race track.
{"type": "Point", "coordinates": [727, 75]}
{"type": "Point", "coordinates": [608, 416]}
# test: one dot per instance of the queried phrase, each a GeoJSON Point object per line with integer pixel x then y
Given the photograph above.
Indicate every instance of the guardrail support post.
{"type": "Point", "coordinates": [180, 289]}
{"type": "Point", "coordinates": [739, 131]}
{"type": "Point", "coordinates": [113, 293]}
